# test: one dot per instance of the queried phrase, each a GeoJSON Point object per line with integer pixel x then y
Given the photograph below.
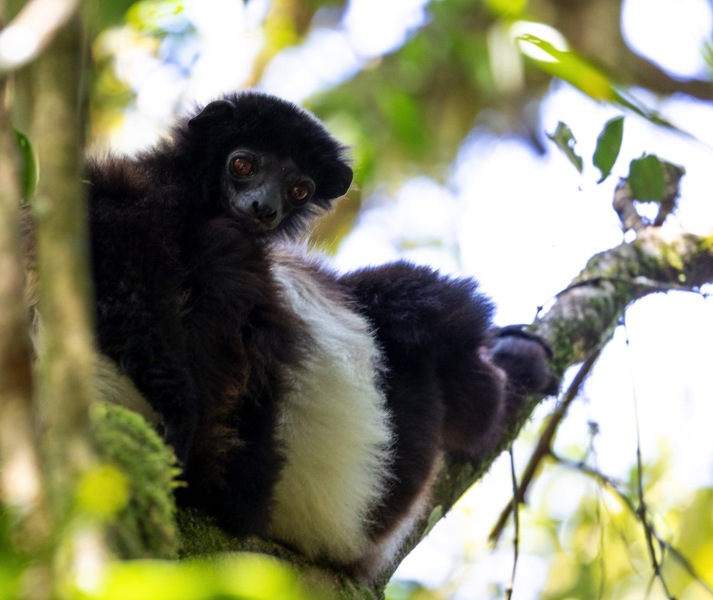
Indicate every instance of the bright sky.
{"type": "Point", "coordinates": [673, 33]}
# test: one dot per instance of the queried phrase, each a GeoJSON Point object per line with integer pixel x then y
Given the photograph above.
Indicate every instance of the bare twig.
{"type": "Point", "coordinates": [544, 444]}
{"type": "Point", "coordinates": [642, 510]}
{"type": "Point", "coordinates": [623, 204]}
{"type": "Point", "coordinates": [617, 488]}
{"type": "Point", "coordinates": [516, 519]}
{"type": "Point", "coordinates": [625, 207]}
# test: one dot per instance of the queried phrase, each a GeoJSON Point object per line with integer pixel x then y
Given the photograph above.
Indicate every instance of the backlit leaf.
{"type": "Point", "coordinates": [608, 146]}
{"type": "Point", "coordinates": [564, 140]}
{"type": "Point", "coordinates": [646, 178]}
{"type": "Point", "coordinates": [568, 66]}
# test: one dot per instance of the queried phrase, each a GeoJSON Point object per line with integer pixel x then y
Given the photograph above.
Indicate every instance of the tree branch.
{"type": "Point", "coordinates": [20, 474]}
{"type": "Point", "coordinates": [65, 381]}
{"type": "Point", "coordinates": [64, 369]}
{"type": "Point", "coordinates": [580, 320]}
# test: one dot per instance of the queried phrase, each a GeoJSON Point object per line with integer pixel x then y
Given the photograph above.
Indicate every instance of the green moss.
{"type": "Point", "coordinates": [200, 535]}
{"type": "Point", "coordinates": [146, 526]}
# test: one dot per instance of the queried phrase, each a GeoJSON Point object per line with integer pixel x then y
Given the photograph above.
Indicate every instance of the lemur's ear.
{"type": "Point", "coordinates": [216, 112]}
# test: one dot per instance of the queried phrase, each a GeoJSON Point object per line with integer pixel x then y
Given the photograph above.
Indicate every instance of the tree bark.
{"type": "Point", "coordinates": [21, 489]}
{"type": "Point", "coordinates": [50, 100]}
{"type": "Point", "coordinates": [65, 381]}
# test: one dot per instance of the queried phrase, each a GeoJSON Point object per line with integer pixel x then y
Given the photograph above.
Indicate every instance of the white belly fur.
{"type": "Point", "coordinates": [333, 427]}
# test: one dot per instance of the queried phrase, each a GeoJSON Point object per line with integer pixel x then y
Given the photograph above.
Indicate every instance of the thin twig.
{"type": "Point", "coordinates": [544, 444]}
{"type": "Point", "coordinates": [625, 208]}
{"type": "Point", "coordinates": [624, 202]}
{"type": "Point", "coordinates": [516, 519]}
{"type": "Point", "coordinates": [617, 487]}
{"type": "Point", "coordinates": [641, 510]}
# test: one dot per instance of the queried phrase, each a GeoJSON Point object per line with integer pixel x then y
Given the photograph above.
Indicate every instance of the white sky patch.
{"type": "Point", "coordinates": [521, 231]}
{"type": "Point", "coordinates": [323, 61]}
{"type": "Point", "coordinates": [667, 365]}
{"type": "Point", "coordinates": [157, 96]}
{"type": "Point", "coordinates": [418, 225]}
{"type": "Point", "coordinates": [375, 27]}
{"type": "Point", "coordinates": [330, 56]}
{"type": "Point", "coordinates": [228, 44]}
{"type": "Point", "coordinates": [671, 33]}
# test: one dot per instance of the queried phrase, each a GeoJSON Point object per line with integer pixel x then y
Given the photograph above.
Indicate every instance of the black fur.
{"type": "Point", "coordinates": [178, 284]}
{"type": "Point", "coordinates": [188, 307]}
{"type": "Point", "coordinates": [452, 382]}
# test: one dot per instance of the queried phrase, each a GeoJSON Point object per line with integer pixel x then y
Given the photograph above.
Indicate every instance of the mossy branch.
{"type": "Point", "coordinates": [580, 320]}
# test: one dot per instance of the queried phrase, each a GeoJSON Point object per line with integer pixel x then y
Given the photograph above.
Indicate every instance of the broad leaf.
{"type": "Point", "coordinates": [646, 178]}
{"type": "Point", "coordinates": [568, 66]}
{"type": "Point", "coordinates": [608, 146]}
{"type": "Point", "coordinates": [586, 77]}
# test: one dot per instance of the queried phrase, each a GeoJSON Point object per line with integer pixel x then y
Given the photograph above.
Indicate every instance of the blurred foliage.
{"type": "Point", "coordinates": [401, 590]}
{"type": "Point", "coordinates": [651, 179]}
{"type": "Point", "coordinates": [130, 492]}
{"type": "Point", "coordinates": [149, 28]}
{"type": "Point", "coordinates": [238, 577]}
{"type": "Point", "coordinates": [101, 15]}
{"type": "Point", "coordinates": [136, 485]}
{"type": "Point", "coordinates": [414, 107]}
{"type": "Point", "coordinates": [694, 534]}
{"type": "Point", "coordinates": [569, 67]}
{"type": "Point", "coordinates": [646, 178]}
{"type": "Point", "coordinates": [601, 549]}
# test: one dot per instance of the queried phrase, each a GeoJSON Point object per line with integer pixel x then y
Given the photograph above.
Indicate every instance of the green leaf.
{"type": "Point", "coordinates": [29, 171]}
{"type": "Point", "coordinates": [587, 78]}
{"type": "Point", "coordinates": [564, 140]}
{"type": "Point", "coordinates": [646, 178]}
{"type": "Point", "coordinates": [568, 66]}
{"type": "Point", "coordinates": [608, 146]}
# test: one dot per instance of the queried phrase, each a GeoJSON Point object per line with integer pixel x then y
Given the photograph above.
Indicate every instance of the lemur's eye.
{"type": "Point", "coordinates": [242, 166]}
{"type": "Point", "coordinates": [300, 193]}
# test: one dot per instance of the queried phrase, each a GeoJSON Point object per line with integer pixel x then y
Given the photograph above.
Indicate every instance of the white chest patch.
{"type": "Point", "coordinates": [333, 427]}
